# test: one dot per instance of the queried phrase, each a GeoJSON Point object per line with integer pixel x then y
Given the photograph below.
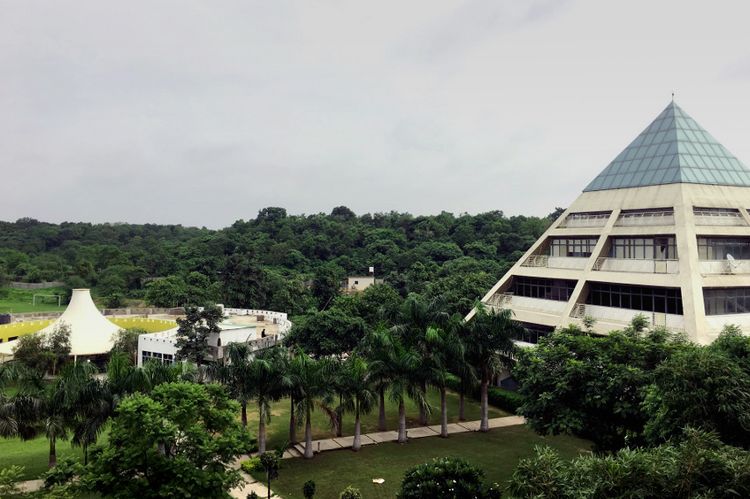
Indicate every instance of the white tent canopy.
{"type": "Point", "coordinates": [90, 332]}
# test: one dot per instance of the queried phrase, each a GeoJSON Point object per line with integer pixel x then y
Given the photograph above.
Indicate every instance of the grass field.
{"type": "Point", "coordinates": [278, 429]}
{"type": "Point", "coordinates": [497, 453]}
{"type": "Point", "coordinates": [33, 453]}
{"type": "Point", "coordinates": [8, 331]}
{"type": "Point", "coordinates": [21, 300]}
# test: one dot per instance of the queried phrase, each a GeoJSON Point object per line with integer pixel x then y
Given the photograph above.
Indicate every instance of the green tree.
{"type": "Point", "coordinates": [358, 395]}
{"type": "Point", "coordinates": [194, 331]}
{"type": "Point", "coordinates": [330, 332]}
{"type": "Point", "coordinates": [179, 441]}
{"type": "Point", "coordinates": [313, 385]}
{"type": "Point", "coordinates": [308, 489]}
{"type": "Point", "coordinates": [326, 284]}
{"type": "Point", "coordinates": [44, 352]}
{"type": "Point", "coordinates": [126, 341]}
{"type": "Point", "coordinates": [238, 376]}
{"type": "Point", "coordinates": [269, 382]}
{"type": "Point", "coordinates": [169, 291]}
{"type": "Point", "coordinates": [270, 463]}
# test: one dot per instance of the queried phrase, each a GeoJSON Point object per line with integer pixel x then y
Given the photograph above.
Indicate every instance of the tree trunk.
{"type": "Point", "coordinates": [381, 414]}
{"type": "Point", "coordinates": [401, 422]}
{"type": "Point", "coordinates": [308, 436]}
{"type": "Point", "coordinates": [357, 430]}
{"type": "Point", "coordinates": [261, 432]}
{"type": "Point", "coordinates": [268, 474]}
{"type": "Point", "coordinates": [461, 412]}
{"type": "Point", "coordinates": [422, 409]}
{"type": "Point", "coordinates": [292, 424]}
{"type": "Point", "coordinates": [443, 413]}
{"type": "Point", "coordinates": [485, 423]}
{"type": "Point", "coordinates": [340, 418]}
{"type": "Point", "coordinates": [244, 413]}
{"type": "Point", "coordinates": [52, 453]}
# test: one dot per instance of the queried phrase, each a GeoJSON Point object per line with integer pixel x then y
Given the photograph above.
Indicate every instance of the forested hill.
{"type": "Point", "coordinates": [277, 261]}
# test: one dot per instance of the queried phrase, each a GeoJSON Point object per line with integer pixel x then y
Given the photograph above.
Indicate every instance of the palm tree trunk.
{"type": "Point", "coordinates": [261, 430]}
{"type": "Point", "coordinates": [244, 413]}
{"type": "Point", "coordinates": [461, 412]}
{"type": "Point", "coordinates": [340, 418]}
{"type": "Point", "coordinates": [308, 436]}
{"type": "Point", "coordinates": [292, 424]}
{"type": "Point", "coordinates": [401, 422]}
{"type": "Point", "coordinates": [422, 409]}
{"type": "Point", "coordinates": [52, 453]}
{"type": "Point", "coordinates": [443, 413]}
{"type": "Point", "coordinates": [381, 414]}
{"type": "Point", "coordinates": [485, 423]}
{"type": "Point", "coordinates": [357, 444]}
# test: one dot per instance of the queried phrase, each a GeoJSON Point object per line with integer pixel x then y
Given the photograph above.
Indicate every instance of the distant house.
{"type": "Point", "coordinates": [358, 283]}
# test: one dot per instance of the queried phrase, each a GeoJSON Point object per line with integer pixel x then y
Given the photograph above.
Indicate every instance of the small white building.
{"type": "Point", "coordinates": [259, 328]}
{"type": "Point", "coordinates": [358, 283]}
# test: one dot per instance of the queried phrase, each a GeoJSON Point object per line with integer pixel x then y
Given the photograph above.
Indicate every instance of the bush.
{"type": "Point", "coordinates": [505, 399]}
{"type": "Point", "coordinates": [350, 493]}
{"type": "Point", "coordinates": [308, 489]}
{"type": "Point", "coordinates": [65, 470]}
{"type": "Point", "coordinates": [445, 477]}
{"type": "Point", "coordinates": [9, 478]}
{"type": "Point", "coordinates": [252, 464]}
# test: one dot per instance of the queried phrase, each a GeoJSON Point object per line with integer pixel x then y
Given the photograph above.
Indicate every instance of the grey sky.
{"type": "Point", "coordinates": [202, 113]}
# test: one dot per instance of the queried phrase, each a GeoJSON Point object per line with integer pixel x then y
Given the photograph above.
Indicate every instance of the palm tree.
{"type": "Point", "coordinates": [313, 385]}
{"type": "Point", "coordinates": [441, 349]}
{"type": "Point", "coordinates": [235, 375]}
{"type": "Point", "coordinates": [357, 393]}
{"type": "Point", "coordinates": [269, 381]}
{"type": "Point", "coordinates": [293, 366]}
{"type": "Point", "coordinates": [490, 348]}
{"type": "Point", "coordinates": [377, 348]}
{"type": "Point", "coordinates": [88, 402]}
{"type": "Point", "coordinates": [417, 315]}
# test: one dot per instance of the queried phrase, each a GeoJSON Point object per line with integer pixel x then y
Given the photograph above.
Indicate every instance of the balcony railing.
{"type": "Point", "coordinates": [536, 261]}
{"type": "Point", "coordinates": [607, 264]}
{"type": "Point", "coordinates": [623, 316]}
{"type": "Point", "coordinates": [725, 267]}
{"type": "Point", "coordinates": [645, 218]}
{"type": "Point", "coordinates": [718, 216]}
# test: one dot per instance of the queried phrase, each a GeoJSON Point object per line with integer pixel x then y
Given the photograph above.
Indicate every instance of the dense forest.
{"type": "Point", "coordinates": [292, 263]}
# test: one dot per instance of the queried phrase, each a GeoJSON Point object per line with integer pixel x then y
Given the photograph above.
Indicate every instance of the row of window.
{"type": "Point", "coordinates": [722, 301]}
{"type": "Point", "coordinates": [652, 248]}
{"type": "Point", "coordinates": [547, 289]}
{"type": "Point", "coordinates": [719, 248]}
{"type": "Point", "coordinates": [644, 248]}
{"type": "Point", "coordinates": [163, 358]}
{"type": "Point", "coordinates": [646, 298]}
{"type": "Point", "coordinates": [572, 247]}
{"type": "Point", "coordinates": [532, 332]}
{"type": "Point", "coordinates": [655, 213]}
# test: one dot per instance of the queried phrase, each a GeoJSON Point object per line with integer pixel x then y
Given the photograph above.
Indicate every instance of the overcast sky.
{"type": "Point", "coordinates": [202, 113]}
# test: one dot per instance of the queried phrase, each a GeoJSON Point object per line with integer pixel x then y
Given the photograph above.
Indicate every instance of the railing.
{"type": "Point", "coordinates": [536, 261]}
{"type": "Point", "coordinates": [718, 216]}
{"type": "Point", "coordinates": [645, 218]}
{"type": "Point", "coordinates": [607, 264]}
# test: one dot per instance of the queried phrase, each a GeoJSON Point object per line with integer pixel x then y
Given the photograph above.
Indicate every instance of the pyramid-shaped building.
{"type": "Point", "coordinates": [663, 231]}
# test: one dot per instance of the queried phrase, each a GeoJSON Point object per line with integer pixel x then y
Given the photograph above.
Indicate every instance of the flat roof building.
{"type": "Point", "coordinates": [663, 231]}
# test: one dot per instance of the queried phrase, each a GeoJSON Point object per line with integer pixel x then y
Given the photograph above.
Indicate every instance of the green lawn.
{"type": "Point", "coordinates": [497, 453]}
{"type": "Point", "coordinates": [33, 454]}
{"type": "Point", "coordinates": [278, 430]}
{"type": "Point", "coordinates": [21, 300]}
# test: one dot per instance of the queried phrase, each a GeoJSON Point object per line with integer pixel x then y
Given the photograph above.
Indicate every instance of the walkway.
{"type": "Point", "coordinates": [367, 439]}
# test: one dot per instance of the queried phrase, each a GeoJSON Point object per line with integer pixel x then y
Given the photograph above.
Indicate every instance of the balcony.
{"type": "Point", "coordinates": [520, 303]}
{"type": "Point", "coordinates": [607, 264]}
{"type": "Point", "coordinates": [724, 217]}
{"type": "Point", "coordinates": [724, 267]}
{"type": "Point", "coordinates": [575, 220]}
{"type": "Point", "coordinates": [555, 262]}
{"type": "Point", "coordinates": [609, 318]}
{"type": "Point", "coordinates": [645, 218]}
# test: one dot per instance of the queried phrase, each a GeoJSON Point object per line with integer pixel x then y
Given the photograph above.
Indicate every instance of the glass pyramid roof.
{"type": "Point", "coordinates": [673, 149]}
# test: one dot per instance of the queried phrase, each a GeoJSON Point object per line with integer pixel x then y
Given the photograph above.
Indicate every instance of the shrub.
{"type": "Point", "coordinates": [252, 464]}
{"type": "Point", "coordinates": [350, 493]}
{"type": "Point", "coordinates": [445, 477]}
{"type": "Point", "coordinates": [9, 478]}
{"type": "Point", "coordinates": [505, 399]}
{"type": "Point", "coordinates": [308, 489]}
{"type": "Point", "coordinates": [65, 470]}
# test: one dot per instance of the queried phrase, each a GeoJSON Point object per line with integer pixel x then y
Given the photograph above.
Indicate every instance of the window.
{"type": "Point", "coordinates": [572, 247]}
{"type": "Point", "coordinates": [547, 289]}
{"type": "Point", "coordinates": [723, 301]}
{"type": "Point", "coordinates": [646, 298]}
{"type": "Point", "coordinates": [644, 248]}
{"type": "Point", "coordinates": [156, 357]}
{"type": "Point", "coordinates": [717, 248]}
{"type": "Point", "coordinates": [657, 216]}
{"type": "Point", "coordinates": [716, 212]}
{"type": "Point", "coordinates": [532, 332]}
{"type": "Point", "coordinates": [587, 219]}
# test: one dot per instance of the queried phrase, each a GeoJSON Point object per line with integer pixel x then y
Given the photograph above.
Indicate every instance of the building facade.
{"type": "Point", "coordinates": [663, 231]}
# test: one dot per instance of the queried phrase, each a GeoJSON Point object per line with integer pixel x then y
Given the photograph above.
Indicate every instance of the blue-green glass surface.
{"type": "Point", "coordinates": [672, 149]}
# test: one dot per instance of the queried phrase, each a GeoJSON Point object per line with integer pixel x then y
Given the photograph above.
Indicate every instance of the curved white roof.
{"type": "Point", "coordinates": [90, 332]}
